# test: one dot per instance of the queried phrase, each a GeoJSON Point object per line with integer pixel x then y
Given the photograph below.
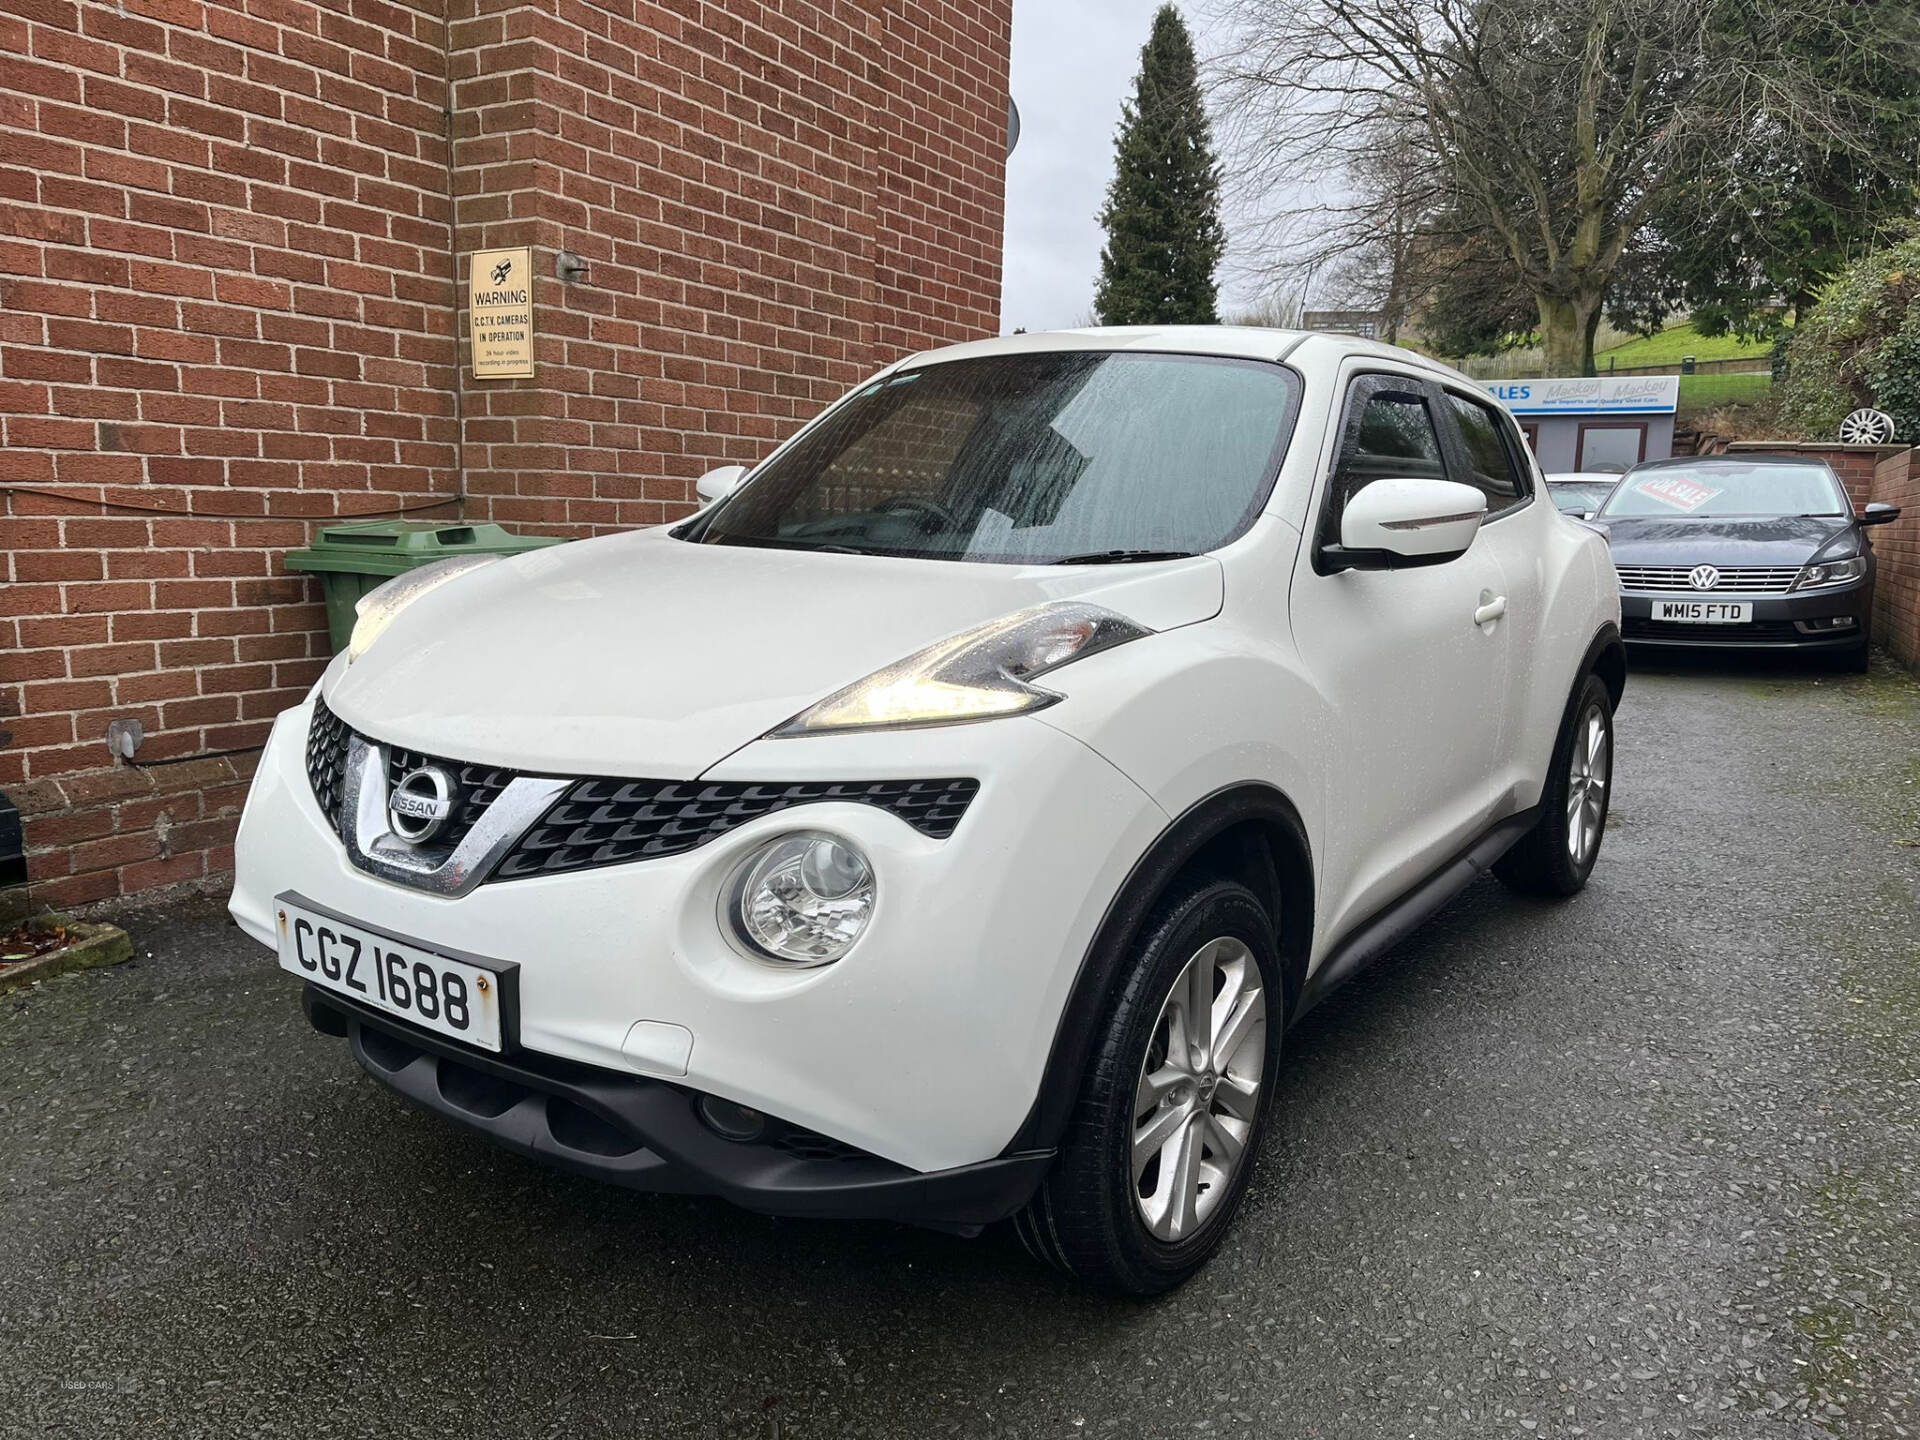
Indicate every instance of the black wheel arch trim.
{"type": "Point", "coordinates": [1286, 878]}
{"type": "Point", "coordinates": [1606, 657]}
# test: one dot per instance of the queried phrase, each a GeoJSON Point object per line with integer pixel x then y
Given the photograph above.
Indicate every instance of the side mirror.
{"type": "Point", "coordinates": [720, 483]}
{"type": "Point", "coordinates": [1879, 513]}
{"type": "Point", "coordinates": [1398, 524]}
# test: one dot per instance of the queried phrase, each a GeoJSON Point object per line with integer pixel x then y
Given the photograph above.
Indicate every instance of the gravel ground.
{"type": "Point", "coordinates": [1643, 1164]}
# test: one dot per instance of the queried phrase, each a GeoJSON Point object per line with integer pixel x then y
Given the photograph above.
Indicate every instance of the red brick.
{"type": "Point", "coordinates": [246, 305]}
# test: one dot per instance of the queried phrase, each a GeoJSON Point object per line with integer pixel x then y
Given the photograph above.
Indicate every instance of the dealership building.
{"type": "Point", "coordinates": [236, 246]}
{"type": "Point", "coordinates": [1598, 423]}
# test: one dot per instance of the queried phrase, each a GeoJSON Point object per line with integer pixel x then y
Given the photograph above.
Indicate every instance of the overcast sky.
{"type": "Point", "coordinates": [1074, 61]}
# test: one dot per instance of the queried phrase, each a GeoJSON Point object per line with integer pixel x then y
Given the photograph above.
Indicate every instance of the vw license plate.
{"type": "Point", "coordinates": [398, 977]}
{"type": "Point", "coordinates": [1704, 612]}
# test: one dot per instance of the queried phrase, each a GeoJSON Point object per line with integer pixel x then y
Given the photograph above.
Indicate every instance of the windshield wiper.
{"type": "Point", "coordinates": [1121, 557]}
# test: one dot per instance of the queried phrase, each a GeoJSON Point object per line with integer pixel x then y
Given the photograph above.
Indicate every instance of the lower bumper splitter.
{"type": "Point", "coordinates": [648, 1135]}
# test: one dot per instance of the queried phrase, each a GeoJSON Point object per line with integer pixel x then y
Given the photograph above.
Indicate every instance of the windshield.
{"type": "Point", "coordinates": [1036, 458]}
{"type": "Point", "coordinates": [1726, 488]}
{"type": "Point", "coordinates": [1578, 497]}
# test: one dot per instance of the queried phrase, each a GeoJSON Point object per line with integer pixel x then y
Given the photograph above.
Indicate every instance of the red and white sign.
{"type": "Point", "coordinates": [1681, 494]}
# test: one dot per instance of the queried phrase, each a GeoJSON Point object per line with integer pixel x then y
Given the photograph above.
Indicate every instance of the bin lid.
{"type": "Point", "coordinates": [389, 547]}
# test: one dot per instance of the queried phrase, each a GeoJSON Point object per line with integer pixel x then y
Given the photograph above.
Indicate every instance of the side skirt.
{"type": "Point", "coordinates": [1392, 924]}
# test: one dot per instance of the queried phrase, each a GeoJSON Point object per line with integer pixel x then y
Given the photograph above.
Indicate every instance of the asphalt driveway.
{"type": "Point", "coordinates": [1643, 1164]}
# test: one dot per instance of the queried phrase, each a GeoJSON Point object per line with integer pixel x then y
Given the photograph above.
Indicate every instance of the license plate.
{"type": "Point", "coordinates": [397, 977]}
{"type": "Point", "coordinates": [1704, 612]}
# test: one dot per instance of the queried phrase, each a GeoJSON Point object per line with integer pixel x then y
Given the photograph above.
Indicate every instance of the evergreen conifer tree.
{"type": "Point", "coordinates": [1162, 216]}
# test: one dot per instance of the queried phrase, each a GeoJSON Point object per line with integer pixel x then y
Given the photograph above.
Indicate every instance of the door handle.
{"type": "Point", "coordinates": [1491, 610]}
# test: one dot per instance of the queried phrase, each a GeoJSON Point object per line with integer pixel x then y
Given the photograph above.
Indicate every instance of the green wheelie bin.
{"type": "Point", "coordinates": [352, 559]}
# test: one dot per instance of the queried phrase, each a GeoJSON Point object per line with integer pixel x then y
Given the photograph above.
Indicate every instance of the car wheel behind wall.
{"type": "Point", "coordinates": [1557, 855]}
{"type": "Point", "coordinates": [1159, 1149]}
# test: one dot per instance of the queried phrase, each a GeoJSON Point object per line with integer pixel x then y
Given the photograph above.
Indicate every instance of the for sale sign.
{"type": "Point", "coordinates": [500, 313]}
{"type": "Point", "coordinates": [1682, 494]}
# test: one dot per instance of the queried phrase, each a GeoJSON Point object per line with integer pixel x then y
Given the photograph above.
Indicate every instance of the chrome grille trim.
{"type": "Point", "coordinates": [1734, 579]}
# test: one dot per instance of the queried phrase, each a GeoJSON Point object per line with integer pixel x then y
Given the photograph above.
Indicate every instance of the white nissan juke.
{"type": "Point", "coordinates": [948, 821]}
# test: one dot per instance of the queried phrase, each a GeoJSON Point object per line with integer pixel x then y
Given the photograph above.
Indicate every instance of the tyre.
{"type": "Point", "coordinates": [1857, 660]}
{"type": "Point", "coordinates": [1160, 1145]}
{"type": "Point", "coordinates": [1557, 854]}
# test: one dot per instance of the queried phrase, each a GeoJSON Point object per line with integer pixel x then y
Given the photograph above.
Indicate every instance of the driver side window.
{"type": "Point", "coordinates": [1388, 433]}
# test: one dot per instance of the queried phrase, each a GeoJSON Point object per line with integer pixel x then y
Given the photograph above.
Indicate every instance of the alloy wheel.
{"type": "Point", "coordinates": [1588, 771]}
{"type": "Point", "coordinates": [1199, 1090]}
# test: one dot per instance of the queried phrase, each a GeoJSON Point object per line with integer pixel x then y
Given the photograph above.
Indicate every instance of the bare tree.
{"type": "Point", "coordinates": [1277, 310]}
{"type": "Point", "coordinates": [1348, 235]}
{"type": "Point", "coordinates": [1556, 125]}
{"type": "Point", "coordinates": [1375, 258]}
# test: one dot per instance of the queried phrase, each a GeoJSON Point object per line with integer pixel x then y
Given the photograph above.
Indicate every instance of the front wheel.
{"type": "Point", "coordinates": [1161, 1144]}
{"type": "Point", "coordinates": [1556, 856]}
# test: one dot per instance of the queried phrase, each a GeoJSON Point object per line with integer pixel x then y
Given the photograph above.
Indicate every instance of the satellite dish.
{"type": "Point", "coordinates": [1866, 427]}
{"type": "Point", "coordinates": [1013, 125]}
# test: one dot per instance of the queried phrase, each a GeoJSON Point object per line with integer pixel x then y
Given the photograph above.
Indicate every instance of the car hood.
{"type": "Point", "coordinates": [1678, 540]}
{"type": "Point", "coordinates": [642, 655]}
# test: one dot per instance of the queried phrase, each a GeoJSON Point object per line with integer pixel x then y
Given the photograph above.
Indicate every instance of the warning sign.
{"type": "Point", "coordinates": [500, 313]}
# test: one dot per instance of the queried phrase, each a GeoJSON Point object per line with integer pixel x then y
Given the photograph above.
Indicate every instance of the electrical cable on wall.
{"type": "Point", "coordinates": [433, 503]}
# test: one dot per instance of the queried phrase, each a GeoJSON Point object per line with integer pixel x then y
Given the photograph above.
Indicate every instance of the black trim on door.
{"type": "Point", "coordinates": [1380, 932]}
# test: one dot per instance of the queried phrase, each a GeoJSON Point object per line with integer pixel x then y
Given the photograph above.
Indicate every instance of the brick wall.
{"type": "Point", "coordinates": [225, 306]}
{"type": "Point", "coordinates": [230, 312]}
{"type": "Point", "coordinates": [1896, 597]}
{"type": "Point", "coordinates": [772, 202]}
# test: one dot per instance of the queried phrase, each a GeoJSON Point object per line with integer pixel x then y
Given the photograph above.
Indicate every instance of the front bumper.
{"type": "Point", "coordinates": [647, 1134]}
{"type": "Point", "coordinates": [924, 1047]}
{"type": "Point", "coordinates": [1796, 621]}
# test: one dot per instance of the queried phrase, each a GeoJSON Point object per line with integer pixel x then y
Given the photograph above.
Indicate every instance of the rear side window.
{"type": "Point", "coordinates": [1491, 462]}
{"type": "Point", "coordinates": [1388, 434]}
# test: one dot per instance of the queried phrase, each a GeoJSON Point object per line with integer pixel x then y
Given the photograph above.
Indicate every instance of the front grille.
{"type": "Point", "coordinates": [475, 787]}
{"type": "Point", "coordinates": [327, 760]}
{"type": "Point", "coordinates": [609, 822]}
{"type": "Point", "coordinates": [1760, 631]}
{"type": "Point", "coordinates": [1734, 579]}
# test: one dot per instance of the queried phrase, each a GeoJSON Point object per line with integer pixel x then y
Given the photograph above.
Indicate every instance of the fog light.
{"type": "Point", "coordinates": [731, 1121]}
{"type": "Point", "coordinates": [802, 899]}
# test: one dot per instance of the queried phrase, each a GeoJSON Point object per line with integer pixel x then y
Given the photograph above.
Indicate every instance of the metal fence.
{"type": "Point", "coordinates": [1502, 368]}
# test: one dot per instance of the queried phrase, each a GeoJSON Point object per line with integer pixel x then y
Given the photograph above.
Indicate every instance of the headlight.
{"type": "Point", "coordinates": [976, 675]}
{"type": "Point", "coordinates": [1831, 572]}
{"type": "Point", "coordinates": [379, 605]}
{"type": "Point", "coordinates": [802, 899]}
